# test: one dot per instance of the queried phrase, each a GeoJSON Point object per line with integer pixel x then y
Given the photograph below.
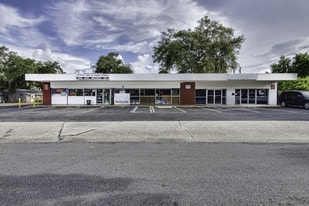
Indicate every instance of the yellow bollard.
{"type": "Point", "coordinates": [19, 102]}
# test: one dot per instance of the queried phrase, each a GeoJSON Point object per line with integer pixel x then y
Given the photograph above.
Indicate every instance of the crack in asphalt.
{"type": "Point", "coordinates": [61, 137]}
{"type": "Point", "coordinates": [186, 131]}
{"type": "Point", "coordinates": [7, 133]}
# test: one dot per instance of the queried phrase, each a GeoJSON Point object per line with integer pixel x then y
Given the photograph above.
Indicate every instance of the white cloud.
{"type": "Point", "coordinates": [67, 62]}
{"type": "Point", "coordinates": [144, 64]}
{"type": "Point", "coordinates": [130, 26]}
{"type": "Point", "coordinates": [11, 17]}
{"type": "Point", "coordinates": [19, 29]}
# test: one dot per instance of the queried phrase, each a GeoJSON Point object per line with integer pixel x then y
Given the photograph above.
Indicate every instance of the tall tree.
{"type": "Point", "coordinates": [111, 64]}
{"type": "Point", "coordinates": [299, 64]}
{"type": "Point", "coordinates": [48, 67]}
{"type": "Point", "coordinates": [209, 48]}
{"type": "Point", "coordinates": [284, 65]}
{"type": "Point", "coordinates": [13, 69]}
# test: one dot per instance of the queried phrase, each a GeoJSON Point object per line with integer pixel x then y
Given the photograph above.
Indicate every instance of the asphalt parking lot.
{"type": "Point", "coordinates": [150, 113]}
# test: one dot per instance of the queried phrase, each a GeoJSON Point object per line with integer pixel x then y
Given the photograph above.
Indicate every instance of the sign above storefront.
{"type": "Point", "coordinates": [92, 76]}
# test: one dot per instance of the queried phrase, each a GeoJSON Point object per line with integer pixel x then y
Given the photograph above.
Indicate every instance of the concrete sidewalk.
{"type": "Point", "coordinates": [156, 131]}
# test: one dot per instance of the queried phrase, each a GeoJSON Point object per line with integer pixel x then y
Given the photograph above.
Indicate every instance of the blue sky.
{"type": "Point", "coordinates": [76, 32]}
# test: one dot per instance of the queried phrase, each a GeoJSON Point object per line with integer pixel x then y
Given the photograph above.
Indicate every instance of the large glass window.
{"type": "Point", "coordinates": [175, 96]}
{"type": "Point", "coordinates": [262, 96]}
{"type": "Point", "coordinates": [218, 96]}
{"type": "Point", "coordinates": [59, 91]}
{"type": "Point", "coordinates": [200, 96]}
{"type": "Point", "coordinates": [210, 96]}
{"type": "Point", "coordinates": [148, 92]}
{"type": "Point", "coordinates": [244, 96]}
{"type": "Point", "coordinates": [163, 96]}
{"type": "Point", "coordinates": [134, 96]}
{"type": "Point", "coordinates": [251, 96]}
{"type": "Point", "coordinates": [223, 96]}
{"type": "Point", "coordinates": [76, 92]}
{"type": "Point", "coordinates": [89, 92]}
{"type": "Point", "coordinates": [148, 96]}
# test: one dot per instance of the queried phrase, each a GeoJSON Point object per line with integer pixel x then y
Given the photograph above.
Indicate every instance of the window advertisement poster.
{"type": "Point", "coordinates": [122, 99]}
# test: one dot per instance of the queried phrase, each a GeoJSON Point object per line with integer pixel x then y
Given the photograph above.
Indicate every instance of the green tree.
{"type": "Point", "coordinates": [300, 65]}
{"type": "Point", "coordinates": [110, 64]}
{"type": "Point", "coordinates": [13, 69]}
{"type": "Point", "coordinates": [209, 48]}
{"type": "Point", "coordinates": [299, 84]}
{"type": "Point", "coordinates": [14, 72]}
{"type": "Point", "coordinates": [284, 65]}
{"type": "Point", "coordinates": [48, 68]}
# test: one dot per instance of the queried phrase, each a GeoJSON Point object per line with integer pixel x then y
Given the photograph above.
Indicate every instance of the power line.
{"type": "Point", "coordinates": [270, 61]}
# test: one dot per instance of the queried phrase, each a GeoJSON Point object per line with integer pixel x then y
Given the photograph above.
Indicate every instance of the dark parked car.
{"type": "Point", "coordinates": [294, 98]}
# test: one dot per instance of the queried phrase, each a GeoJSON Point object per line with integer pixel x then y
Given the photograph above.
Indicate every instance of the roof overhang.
{"type": "Point", "coordinates": [161, 77]}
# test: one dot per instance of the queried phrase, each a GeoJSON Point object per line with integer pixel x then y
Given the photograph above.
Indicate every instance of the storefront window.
{"type": "Point", "coordinates": [218, 96]}
{"type": "Point", "coordinates": [163, 96]}
{"type": "Point", "coordinates": [262, 96]}
{"type": "Point", "coordinates": [76, 92]}
{"type": "Point", "coordinates": [89, 92]}
{"type": "Point", "coordinates": [147, 92]}
{"type": "Point", "coordinates": [59, 91]}
{"type": "Point", "coordinates": [210, 96]}
{"type": "Point", "coordinates": [134, 95]}
{"type": "Point", "coordinates": [251, 96]}
{"type": "Point", "coordinates": [200, 96]}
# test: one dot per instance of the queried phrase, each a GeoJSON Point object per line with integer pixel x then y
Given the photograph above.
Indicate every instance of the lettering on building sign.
{"type": "Point", "coordinates": [92, 76]}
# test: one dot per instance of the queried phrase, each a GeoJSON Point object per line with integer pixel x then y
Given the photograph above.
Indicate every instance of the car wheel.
{"type": "Point", "coordinates": [306, 105]}
{"type": "Point", "coordinates": [283, 104]}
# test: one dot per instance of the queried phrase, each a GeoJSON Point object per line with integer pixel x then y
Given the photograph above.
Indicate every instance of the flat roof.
{"type": "Point", "coordinates": [161, 77]}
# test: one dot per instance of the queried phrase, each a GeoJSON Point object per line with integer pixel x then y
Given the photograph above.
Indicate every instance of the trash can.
{"type": "Point", "coordinates": [88, 102]}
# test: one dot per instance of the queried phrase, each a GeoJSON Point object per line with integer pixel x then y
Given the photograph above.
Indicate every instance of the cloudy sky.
{"type": "Point", "coordinates": [76, 32]}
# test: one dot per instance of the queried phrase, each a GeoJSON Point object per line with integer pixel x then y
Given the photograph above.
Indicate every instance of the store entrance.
{"type": "Point", "coordinates": [103, 96]}
{"type": "Point", "coordinates": [251, 96]}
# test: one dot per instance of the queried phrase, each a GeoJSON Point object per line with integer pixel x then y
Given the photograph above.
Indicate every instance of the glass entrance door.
{"type": "Point", "coordinates": [103, 96]}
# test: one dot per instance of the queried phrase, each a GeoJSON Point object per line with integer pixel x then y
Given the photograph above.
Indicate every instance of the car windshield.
{"type": "Point", "coordinates": [306, 93]}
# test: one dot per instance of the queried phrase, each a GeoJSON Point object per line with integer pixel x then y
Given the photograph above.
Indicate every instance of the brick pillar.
{"type": "Point", "coordinates": [187, 93]}
{"type": "Point", "coordinates": [46, 93]}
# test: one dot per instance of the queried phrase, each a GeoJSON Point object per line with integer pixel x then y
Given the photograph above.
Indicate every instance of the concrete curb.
{"type": "Point", "coordinates": [156, 131]}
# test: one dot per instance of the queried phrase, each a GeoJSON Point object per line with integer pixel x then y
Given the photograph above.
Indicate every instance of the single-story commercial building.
{"type": "Point", "coordinates": [170, 89]}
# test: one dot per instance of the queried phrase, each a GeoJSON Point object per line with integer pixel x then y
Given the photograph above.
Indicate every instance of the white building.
{"type": "Point", "coordinates": [183, 89]}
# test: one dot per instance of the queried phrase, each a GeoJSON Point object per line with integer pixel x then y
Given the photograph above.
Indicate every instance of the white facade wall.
{"type": "Point", "coordinates": [229, 82]}
{"type": "Point", "coordinates": [107, 85]}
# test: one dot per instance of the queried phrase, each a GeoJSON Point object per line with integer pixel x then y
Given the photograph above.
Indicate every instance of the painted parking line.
{"type": "Point", "coordinates": [213, 110]}
{"type": "Point", "coordinates": [152, 110]}
{"type": "Point", "coordinates": [283, 111]}
{"type": "Point", "coordinates": [133, 110]}
{"type": "Point", "coordinates": [248, 110]}
{"type": "Point", "coordinates": [89, 110]}
{"type": "Point", "coordinates": [183, 111]}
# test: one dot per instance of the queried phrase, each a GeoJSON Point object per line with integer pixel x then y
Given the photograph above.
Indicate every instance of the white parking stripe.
{"type": "Point", "coordinates": [89, 110]}
{"type": "Point", "coordinates": [248, 110]}
{"type": "Point", "coordinates": [180, 109]}
{"type": "Point", "coordinates": [151, 109]}
{"type": "Point", "coordinates": [134, 109]}
{"type": "Point", "coordinates": [282, 110]}
{"type": "Point", "coordinates": [214, 110]}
